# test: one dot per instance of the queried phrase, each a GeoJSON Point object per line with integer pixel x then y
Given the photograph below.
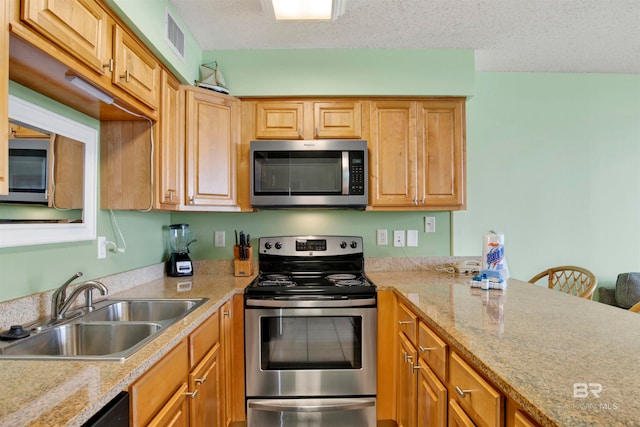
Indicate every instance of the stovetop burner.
{"type": "Point", "coordinates": [310, 265]}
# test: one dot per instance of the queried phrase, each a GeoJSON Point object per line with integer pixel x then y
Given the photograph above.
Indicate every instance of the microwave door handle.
{"type": "Point", "coordinates": [345, 173]}
{"type": "Point", "coordinates": [295, 405]}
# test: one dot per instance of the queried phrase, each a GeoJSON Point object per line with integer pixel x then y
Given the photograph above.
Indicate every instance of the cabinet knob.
{"type": "Point", "coordinates": [462, 392]}
{"type": "Point", "coordinates": [192, 395]}
{"type": "Point", "coordinates": [109, 65]}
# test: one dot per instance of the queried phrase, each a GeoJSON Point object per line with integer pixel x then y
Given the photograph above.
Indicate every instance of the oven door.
{"type": "Point", "coordinates": [346, 412]}
{"type": "Point", "coordinates": [308, 352]}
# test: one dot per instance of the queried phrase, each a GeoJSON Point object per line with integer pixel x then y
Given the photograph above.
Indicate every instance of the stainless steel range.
{"type": "Point", "coordinates": [310, 334]}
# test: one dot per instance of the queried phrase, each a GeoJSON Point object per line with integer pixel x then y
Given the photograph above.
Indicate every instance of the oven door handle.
{"type": "Point", "coordinates": [316, 406]}
{"type": "Point", "coordinates": [310, 303]}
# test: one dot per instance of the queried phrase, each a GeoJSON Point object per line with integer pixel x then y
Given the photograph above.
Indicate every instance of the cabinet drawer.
{"type": "Point", "coordinates": [203, 339]}
{"type": "Point", "coordinates": [407, 323]}
{"type": "Point", "coordinates": [481, 401]}
{"type": "Point", "coordinates": [150, 392]}
{"type": "Point", "coordinates": [457, 417]}
{"type": "Point", "coordinates": [433, 351]}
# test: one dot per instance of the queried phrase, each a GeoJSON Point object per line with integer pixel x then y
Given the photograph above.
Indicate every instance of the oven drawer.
{"type": "Point", "coordinates": [328, 412]}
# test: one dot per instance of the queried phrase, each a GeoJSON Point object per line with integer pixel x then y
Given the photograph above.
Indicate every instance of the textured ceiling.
{"type": "Point", "coordinates": [507, 35]}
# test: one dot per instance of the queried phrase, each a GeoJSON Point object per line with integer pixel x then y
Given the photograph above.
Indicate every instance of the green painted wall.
{"type": "Point", "coordinates": [346, 72]}
{"type": "Point", "coordinates": [339, 222]}
{"type": "Point", "coordinates": [552, 161]}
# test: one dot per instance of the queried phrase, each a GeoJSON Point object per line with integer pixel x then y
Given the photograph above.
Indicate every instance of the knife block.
{"type": "Point", "coordinates": [242, 267]}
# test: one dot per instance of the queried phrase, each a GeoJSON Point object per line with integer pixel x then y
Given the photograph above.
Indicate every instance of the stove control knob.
{"type": "Point", "coordinates": [343, 244]}
{"type": "Point", "coordinates": [278, 245]}
{"type": "Point", "coordinates": [267, 245]}
{"type": "Point", "coordinates": [354, 244]}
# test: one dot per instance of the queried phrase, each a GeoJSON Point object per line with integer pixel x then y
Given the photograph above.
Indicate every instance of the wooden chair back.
{"type": "Point", "coordinates": [569, 279]}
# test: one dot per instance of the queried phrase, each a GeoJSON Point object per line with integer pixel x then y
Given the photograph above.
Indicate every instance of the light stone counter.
{"type": "Point", "coordinates": [535, 344]}
{"type": "Point", "coordinates": [68, 393]}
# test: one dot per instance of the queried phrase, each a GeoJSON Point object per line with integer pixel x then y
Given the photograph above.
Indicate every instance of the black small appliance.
{"type": "Point", "coordinates": [179, 263]}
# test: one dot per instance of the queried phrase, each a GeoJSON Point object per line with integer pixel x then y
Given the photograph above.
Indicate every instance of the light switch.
{"type": "Point", "coordinates": [218, 240]}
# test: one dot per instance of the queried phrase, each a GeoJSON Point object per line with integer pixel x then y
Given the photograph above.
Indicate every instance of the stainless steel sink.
{"type": "Point", "coordinates": [113, 331]}
{"type": "Point", "coordinates": [141, 310]}
{"type": "Point", "coordinates": [85, 340]}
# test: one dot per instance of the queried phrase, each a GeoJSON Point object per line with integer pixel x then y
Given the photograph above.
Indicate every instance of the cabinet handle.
{"type": "Point", "coordinates": [414, 368]}
{"type": "Point", "coordinates": [192, 395]}
{"type": "Point", "coordinates": [226, 313]}
{"type": "Point", "coordinates": [408, 322]}
{"type": "Point", "coordinates": [462, 392]}
{"type": "Point", "coordinates": [170, 195]}
{"type": "Point", "coordinates": [300, 132]}
{"type": "Point", "coordinates": [200, 381]}
{"type": "Point", "coordinates": [126, 76]}
{"type": "Point", "coordinates": [423, 349]}
{"type": "Point", "coordinates": [407, 358]}
{"type": "Point", "coordinates": [109, 65]}
{"type": "Point", "coordinates": [317, 133]}
{"type": "Point", "coordinates": [190, 200]}
{"type": "Point", "coordinates": [415, 200]}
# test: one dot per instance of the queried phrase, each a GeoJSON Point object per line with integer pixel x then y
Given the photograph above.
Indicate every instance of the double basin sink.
{"type": "Point", "coordinates": [113, 331]}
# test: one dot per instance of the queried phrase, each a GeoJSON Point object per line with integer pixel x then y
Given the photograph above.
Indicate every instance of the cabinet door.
{"type": "Point", "coordinates": [4, 99]}
{"type": "Point", "coordinates": [68, 171]}
{"type": "Point", "coordinates": [457, 417]}
{"type": "Point", "coordinates": [442, 153]}
{"type": "Point", "coordinates": [432, 399]}
{"type": "Point", "coordinates": [136, 70]}
{"type": "Point", "coordinates": [151, 392]}
{"type": "Point", "coordinates": [394, 157]}
{"type": "Point", "coordinates": [211, 138]}
{"type": "Point", "coordinates": [175, 413]}
{"type": "Point", "coordinates": [80, 27]}
{"type": "Point", "coordinates": [169, 151]}
{"type": "Point", "coordinates": [205, 388]}
{"type": "Point", "coordinates": [338, 119]}
{"type": "Point", "coordinates": [406, 392]}
{"type": "Point", "coordinates": [279, 120]}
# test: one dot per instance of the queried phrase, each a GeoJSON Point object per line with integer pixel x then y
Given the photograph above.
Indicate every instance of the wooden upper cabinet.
{"type": "Point", "coordinates": [169, 149]}
{"type": "Point", "coordinates": [442, 148]}
{"type": "Point", "coordinates": [17, 131]}
{"type": "Point", "coordinates": [80, 27]}
{"type": "Point", "coordinates": [68, 171]}
{"type": "Point", "coordinates": [279, 120]}
{"type": "Point", "coordinates": [212, 133]}
{"type": "Point", "coordinates": [417, 154]}
{"type": "Point", "coordinates": [308, 119]}
{"type": "Point", "coordinates": [136, 70]}
{"type": "Point", "coordinates": [393, 166]}
{"type": "Point", "coordinates": [337, 119]}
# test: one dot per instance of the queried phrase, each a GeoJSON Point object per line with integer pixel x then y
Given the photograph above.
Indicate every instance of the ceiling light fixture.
{"type": "Point", "coordinates": [304, 10]}
{"type": "Point", "coordinates": [86, 87]}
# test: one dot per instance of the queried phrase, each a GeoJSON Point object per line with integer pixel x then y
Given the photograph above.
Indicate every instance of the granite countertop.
{"type": "Point", "coordinates": [535, 344]}
{"type": "Point", "coordinates": [62, 392]}
{"type": "Point", "coordinates": [531, 342]}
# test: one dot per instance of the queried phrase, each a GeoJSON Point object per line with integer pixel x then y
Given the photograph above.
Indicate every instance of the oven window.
{"type": "Point", "coordinates": [298, 172]}
{"type": "Point", "coordinates": [315, 342]}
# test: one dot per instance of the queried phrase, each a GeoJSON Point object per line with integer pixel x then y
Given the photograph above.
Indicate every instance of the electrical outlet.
{"type": "Point", "coordinates": [218, 240]}
{"type": "Point", "coordinates": [381, 238]}
{"type": "Point", "coordinates": [430, 224]}
{"type": "Point", "coordinates": [412, 238]}
{"type": "Point", "coordinates": [102, 247]}
{"type": "Point", "coordinates": [398, 238]}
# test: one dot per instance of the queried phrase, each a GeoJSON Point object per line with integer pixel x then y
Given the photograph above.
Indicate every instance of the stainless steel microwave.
{"type": "Point", "coordinates": [28, 171]}
{"type": "Point", "coordinates": [327, 173]}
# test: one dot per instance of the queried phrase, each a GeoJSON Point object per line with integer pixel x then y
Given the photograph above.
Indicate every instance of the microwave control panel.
{"type": "Point", "coordinates": [356, 172]}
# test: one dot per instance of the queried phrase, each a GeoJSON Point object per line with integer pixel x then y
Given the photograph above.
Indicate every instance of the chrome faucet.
{"type": "Point", "coordinates": [60, 303]}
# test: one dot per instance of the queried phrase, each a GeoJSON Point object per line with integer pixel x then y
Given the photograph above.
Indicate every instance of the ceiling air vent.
{"type": "Point", "coordinates": [175, 35]}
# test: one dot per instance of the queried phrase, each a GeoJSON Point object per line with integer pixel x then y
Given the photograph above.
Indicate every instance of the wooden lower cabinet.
{"type": "Point", "coordinates": [198, 383]}
{"type": "Point", "coordinates": [457, 416]}
{"type": "Point", "coordinates": [407, 392]}
{"type": "Point", "coordinates": [432, 398]}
